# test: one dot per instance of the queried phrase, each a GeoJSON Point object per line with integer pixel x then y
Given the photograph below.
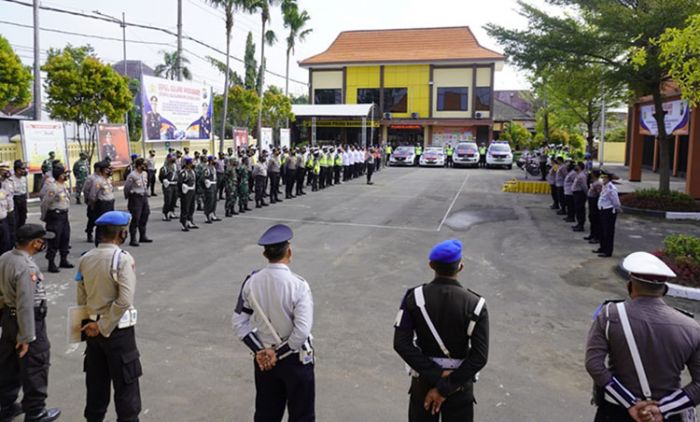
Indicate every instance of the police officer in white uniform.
{"type": "Point", "coordinates": [273, 317]}
{"type": "Point", "coordinates": [637, 350]}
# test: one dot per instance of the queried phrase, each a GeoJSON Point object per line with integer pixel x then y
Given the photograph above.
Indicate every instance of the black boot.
{"type": "Point", "coordinates": [185, 228]}
{"type": "Point", "coordinates": [64, 263]}
{"type": "Point", "coordinates": [8, 413]}
{"type": "Point", "coordinates": [89, 237]}
{"type": "Point", "coordinates": [77, 200]}
{"type": "Point", "coordinates": [228, 213]}
{"type": "Point", "coordinates": [45, 415]}
{"type": "Point", "coordinates": [52, 267]}
{"type": "Point", "coordinates": [257, 204]}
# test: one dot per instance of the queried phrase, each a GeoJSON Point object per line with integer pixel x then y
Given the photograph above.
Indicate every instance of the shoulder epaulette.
{"type": "Point", "coordinates": [473, 292]}
{"type": "Point", "coordinates": [684, 312]}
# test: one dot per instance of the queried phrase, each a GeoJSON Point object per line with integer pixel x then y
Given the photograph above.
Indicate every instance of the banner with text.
{"type": "Point", "coordinates": [266, 139]}
{"type": "Point", "coordinates": [40, 138]}
{"type": "Point", "coordinates": [175, 110]}
{"type": "Point", "coordinates": [285, 138]}
{"type": "Point", "coordinates": [451, 135]}
{"type": "Point", "coordinates": [676, 119]}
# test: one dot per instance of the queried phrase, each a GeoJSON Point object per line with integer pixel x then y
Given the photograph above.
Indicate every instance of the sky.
{"type": "Point", "coordinates": [204, 22]}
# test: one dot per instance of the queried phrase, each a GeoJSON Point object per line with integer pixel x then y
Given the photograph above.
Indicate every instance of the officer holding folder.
{"type": "Point", "coordinates": [107, 282]}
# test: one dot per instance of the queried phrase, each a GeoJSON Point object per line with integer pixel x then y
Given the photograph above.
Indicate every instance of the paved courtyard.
{"type": "Point", "coordinates": [360, 247]}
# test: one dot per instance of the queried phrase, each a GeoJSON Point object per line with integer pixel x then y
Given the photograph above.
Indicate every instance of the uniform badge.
{"type": "Point", "coordinates": [34, 278]}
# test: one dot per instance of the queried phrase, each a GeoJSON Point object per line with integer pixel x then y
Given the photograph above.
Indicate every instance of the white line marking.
{"type": "Point", "coordinates": [333, 223]}
{"type": "Point", "coordinates": [459, 192]}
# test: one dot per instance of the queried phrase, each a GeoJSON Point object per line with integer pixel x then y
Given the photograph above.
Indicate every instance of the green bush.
{"type": "Point", "coordinates": [673, 196]}
{"type": "Point", "coordinates": [682, 246]}
{"type": "Point", "coordinates": [652, 199]}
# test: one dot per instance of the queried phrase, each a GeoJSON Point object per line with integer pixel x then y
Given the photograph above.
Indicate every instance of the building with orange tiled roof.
{"type": "Point", "coordinates": [429, 86]}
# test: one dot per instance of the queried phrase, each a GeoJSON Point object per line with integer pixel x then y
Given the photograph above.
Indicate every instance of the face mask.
{"type": "Point", "coordinates": [43, 247]}
{"type": "Point", "coordinates": [108, 173]}
{"type": "Point", "coordinates": [601, 180]}
{"type": "Point", "coordinates": [122, 236]}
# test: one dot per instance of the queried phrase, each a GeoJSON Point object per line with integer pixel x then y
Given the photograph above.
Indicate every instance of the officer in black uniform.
{"type": "Point", "coordinates": [108, 149]}
{"type": "Point", "coordinates": [24, 346]}
{"type": "Point", "coordinates": [153, 120]}
{"type": "Point", "coordinates": [451, 328]}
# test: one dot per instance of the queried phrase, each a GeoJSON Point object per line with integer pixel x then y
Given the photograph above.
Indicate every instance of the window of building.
{"type": "Point", "coordinates": [453, 99]}
{"type": "Point", "coordinates": [328, 96]}
{"type": "Point", "coordinates": [483, 99]}
{"type": "Point", "coordinates": [396, 100]}
{"type": "Point", "coordinates": [368, 96]}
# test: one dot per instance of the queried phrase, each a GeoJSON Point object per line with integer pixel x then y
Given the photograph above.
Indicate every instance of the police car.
{"type": "Point", "coordinates": [466, 154]}
{"type": "Point", "coordinates": [499, 154]}
{"type": "Point", "coordinates": [403, 156]}
{"type": "Point", "coordinates": [432, 156]}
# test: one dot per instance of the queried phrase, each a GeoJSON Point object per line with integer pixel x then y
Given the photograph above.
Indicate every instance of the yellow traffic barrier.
{"type": "Point", "coordinates": [526, 186]}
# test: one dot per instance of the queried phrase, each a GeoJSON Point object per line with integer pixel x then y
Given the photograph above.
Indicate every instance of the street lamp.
{"type": "Point", "coordinates": [121, 23]}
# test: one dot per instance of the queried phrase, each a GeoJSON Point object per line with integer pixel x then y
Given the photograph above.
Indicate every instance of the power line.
{"type": "Point", "coordinates": [154, 28]}
{"type": "Point", "coordinates": [101, 37]}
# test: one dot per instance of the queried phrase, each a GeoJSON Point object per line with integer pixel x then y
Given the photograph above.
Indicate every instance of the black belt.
{"type": "Point", "coordinates": [59, 212]}
{"type": "Point", "coordinates": [21, 195]}
{"type": "Point", "coordinates": [137, 194]}
{"type": "Point", "coordinates": [39, 311]}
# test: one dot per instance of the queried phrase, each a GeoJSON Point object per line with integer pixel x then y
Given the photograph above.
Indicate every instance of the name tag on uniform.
{"type": "Point", "coordinates": [128, 319]}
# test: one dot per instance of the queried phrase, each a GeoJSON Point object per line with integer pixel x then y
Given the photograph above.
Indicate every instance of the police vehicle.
{"type": "Point", "coordinates": [403, 156]}
{"type": "Point", "coordinates": [499, 154]}
{"type": "Point", "coordinates": [466, 155]}
{"type": "Point", "coordinates": [432, 157]}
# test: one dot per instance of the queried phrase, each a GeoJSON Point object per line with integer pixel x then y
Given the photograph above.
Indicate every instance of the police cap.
{"type": "Point", "coordinates": [30, 232]}
{"type": "Point", "coordinates": [647, 268]}
{"type": "Point", "coordinates": [114, 218]}
{"type": "Point", "coordinates": [446, 252]}
{"type": "Point", "coordinates": [275, 235]}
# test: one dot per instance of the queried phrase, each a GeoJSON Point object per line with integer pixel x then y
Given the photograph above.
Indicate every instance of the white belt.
{"type": "Point", "coordinates": [187, 188]}
{"type": "Point", "coordinates": [167, 183]}
{"type": "Point", "coordinates": [127, 320]}
{"type": "Point", "coordinates": [447, 363]}
{"type": "Point", "coordinates": [208, 183]}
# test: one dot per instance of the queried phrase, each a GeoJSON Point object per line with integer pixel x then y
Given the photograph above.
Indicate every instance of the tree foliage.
{"type": "Point", "coordinates": [168, 69]}
{"type": "Point", "coordinates": [680, 52]}
{"type": "Point", "coordinates": [605, 33]}
{"type": "Point", "coordinates": [15, 78]}
{"type": "Point", "coordinates": [295, 21]}
{"type": "Point", "coordinates": [233, 76]}
{"type": "Point", "coordinates": [276, 108]}
{"type": "Point", "coordinates": [83, 90]}
{"type": "Point", "coordinates": [251, 65]}
{"type": "Point", "coordinates": [135, 116]}
{"type": "Point", "coordinates": [244, 105]}
{"type": "Point", "coordinates": [517, 135]}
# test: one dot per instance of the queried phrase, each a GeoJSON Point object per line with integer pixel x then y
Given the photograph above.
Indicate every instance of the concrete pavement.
{"type": "Point", "coordinates": [361, 247]}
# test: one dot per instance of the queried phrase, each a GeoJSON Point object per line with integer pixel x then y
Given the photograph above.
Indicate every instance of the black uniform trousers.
{"type": "Point", "coordinates": [322, 178]}
{"type": "Point", "coordinates": [580, 207]}
{"type": "Point", "coordinates": [259, 189]}
{"type": "Point", "coordinates": [140, 211]}
{"type": "Point", "coordinates": [555, 196]}
{"type": "Point", "coordinates": [570, 210]}
{"type": "Point", "coordinates": [210, 200]}
{"type": "Point", "coordinates": [459, 407]}
{"type": "Point", "coordinates": [346, 173]}
{"type": "Point", "coordinates": [336, 174]}
{"type": "Point", "coordinates": [608, 412]}
{"type": "Point", "coordinates": [220, 184]}
{"type": "Point", "coordinates": [370, 171]}
{"type": "Point", "coordinates": [607, 230]}
{"type": "Point", "coordinates": [562, 199]}
{"type": "Point", "coordinates": [57, 222]}
{"type": "Point", "coordinates": [152, 181]}
{"type": "Point", "coordinates": [5, 244]}
{"type": "Point", "coordinates": [290, 383]}
{"type": "Point", "coordinates": [594, 217]}
{"type": "Point", "coordinates": [169, 198]}
{"type": "Point", "coordinates": [274, 186]}
{"type": "Point", "coordinates": [187, 207]}
{"type": "Point", "coordinates": [20, 210]}
{"type": "Point", "coordinates": [289, 184]}
{"type": "Point", "coordinates": [11, 228]}
{"type": "Point", "coordinates": [30, 373]}
{"type": "Point", "coordinates": [301, 173]}
{"type": "Point", "coordinates": [100, 208]}
{"type": "Point", "coordinates": [115, 360]}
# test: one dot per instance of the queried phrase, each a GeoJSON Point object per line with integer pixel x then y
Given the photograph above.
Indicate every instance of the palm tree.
{"type": "Point", "coordinates": [268, 37]}
{"type": "Point", "coordinates": [168, 69]}
{"type": "Point", "coordinates": [229, 7]}
{"type": "Point", "coordinates": [296, 21]}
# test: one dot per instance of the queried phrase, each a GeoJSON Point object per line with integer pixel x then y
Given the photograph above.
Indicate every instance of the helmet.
{"type": "Point", "coordinates": [644, 263]}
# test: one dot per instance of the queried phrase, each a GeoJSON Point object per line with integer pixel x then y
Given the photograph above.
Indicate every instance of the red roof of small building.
{"type": "Point", "coordinates": [423, 45]}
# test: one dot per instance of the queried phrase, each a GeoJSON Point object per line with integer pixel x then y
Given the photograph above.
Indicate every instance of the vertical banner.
{"type": "Point", "coordinates": [266, 139]}
{"type": "Point", "coordinates": [676, 119]}
{"type": "Point", "coordinates": [113, 143]}
{"type": "Point", "coordinates": [40, 138]}
{"type": "Point", "coordinates": [313, 131]}
{"type": "Point", "coordinates": [175, 110]}
{"type": "Point", "coordinates": [240, 137]}
{"type": "Point", "coordinates": [285, 138]}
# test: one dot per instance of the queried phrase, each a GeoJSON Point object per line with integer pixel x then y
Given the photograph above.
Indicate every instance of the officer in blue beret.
{"type": "Point", "coordinates": [106, 286]}
{"type": "Point", "coordinates": [451, 329]}
{"type": "Point", "coordinates": [273, 317]}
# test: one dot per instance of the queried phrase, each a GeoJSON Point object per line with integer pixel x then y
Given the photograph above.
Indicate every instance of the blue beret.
{"type": "Point", "coordinates": [188, 160]}
{"type": "Point", "coordinates": [134, 156]}
{"type": "Point", "coordinates": [211, 158]}
{"type": "Point", "coordinates": [276, 234]}
{"type": "Point", "coordinates": [446, 252]}
{"type": "Point", "coordinates": [114, 218]}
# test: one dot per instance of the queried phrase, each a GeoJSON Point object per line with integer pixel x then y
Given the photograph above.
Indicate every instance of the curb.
{"type": "Point", "coordinates": [674, 290]}
{"type": "Point", "coordinates": [668, 215]}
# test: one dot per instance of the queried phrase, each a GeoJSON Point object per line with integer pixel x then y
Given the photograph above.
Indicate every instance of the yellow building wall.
{"type": "Point", "coordinates": [416, 78]}
{"type": "Point", "coordinates": [613, 152]}
{"type": "Point", "coordinates": [483, 77]}
{"type": "Point", "coordinates": [360, 77]}
{"type": "Point", "coordinates": [452, 78]}
{"type": "Point", "coordinates": [326, 80]}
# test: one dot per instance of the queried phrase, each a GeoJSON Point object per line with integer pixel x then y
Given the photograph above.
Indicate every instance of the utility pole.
{"type": "Point", "coordinates": [123, 24]}
{"type": "Point", "coordinates": [601, 153]}
{"type": "Point", "coordinates": [37, 64]}
{"type": "Point", "coordinates": [179, 40]}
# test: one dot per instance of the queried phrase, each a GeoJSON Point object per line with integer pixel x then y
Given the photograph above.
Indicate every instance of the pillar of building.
{"type": "Point", "coordinates": [692, 178]}
{"type": "Point", "coordinates": [676, 154]}
{"type": "Point", "coordinates": [655, 165]}
{"type": "Point", "coordinates": [636, 147]}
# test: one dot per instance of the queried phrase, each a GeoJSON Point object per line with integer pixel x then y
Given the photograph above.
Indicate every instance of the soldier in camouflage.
{"type": "Point", "coordinates": [231, 186]}
{"type": "Point", "coordinates": [81, 170]}
{"type": "Point", "coordinates": [243, 185]}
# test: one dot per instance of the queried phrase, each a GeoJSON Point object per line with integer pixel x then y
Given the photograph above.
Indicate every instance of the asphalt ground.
{"type": "Point", "coordinates": [361, 247]}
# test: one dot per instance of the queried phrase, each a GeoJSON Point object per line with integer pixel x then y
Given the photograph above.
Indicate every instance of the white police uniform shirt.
{"type": "Point", "coordinates": [609, 198]}
{"type": "Point", "coordinates": [285, 299]}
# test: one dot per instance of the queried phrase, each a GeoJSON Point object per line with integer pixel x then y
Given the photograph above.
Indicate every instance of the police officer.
{"type": "Point", "coordinates": [151, 169]}
{"type": "Point", "coordinates": [273, 317]}
{"type": "Point", "coordinates": [210, 187]}
{"type": "Point", "coordinates": [101, 196]}
{"type": "Point", "coordinates": [243, 185]}
{"type": "Point", "coordinates": [168, 176]}
{"type": "Point", "coordinates": [260, 175]}
{"type": "Point", "coordinates": [108, 149]}
{"type": "Point", "coordinates": [90, 207]}
{"type": "Point", "coordinates": [107, 281]}
{"type": "Point", "coordinates": [8, 186]}
{"type": "Point", "coordinates": [609, 206]}
{"type": "Point", "coordinates": [153, 120]}
{"type": "Point", "coordinates": [231, 186]}
{"type": "Point", "coordinates": [5, 194]}
{"type": "Point", "coordinates": [199, 173]}
{"type": "Point", "coordinates": [482, 155]}
{"type": "Point", "coordinates": [451, 329]}
{"type": "Point", "coordinates": [290, 166]}
{"type": "Point", "coordinates": [24, 345]}
{"type": "Point", "coordinates": [81, 170]}
{"type": "Point", "coordinates": [186, 185]}
{"type": "Point", "coordinates": [637, 350]}
{"type": "Point", "coordinates": [54, 212]}
{"type": "Point", "coordinates": [19, 181]}
{"type": "Point", "coordinates": [301, 171]}
{"type": "Point", "coordinates": [580, 192]}
{"type": "Point", "coordinates": [136, 192]}
{"type": "Point", "coordinates": [273, 172]}
{"type": "Point", "coordinates": [449, 153]}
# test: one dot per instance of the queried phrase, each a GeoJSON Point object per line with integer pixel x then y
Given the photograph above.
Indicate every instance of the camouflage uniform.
{"type": "Point", "coordinates": [243, 187]}
{"type": "Point", "coordinates": [81, 170]}
{"type": "Point", "coordinates": [231, 186]}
